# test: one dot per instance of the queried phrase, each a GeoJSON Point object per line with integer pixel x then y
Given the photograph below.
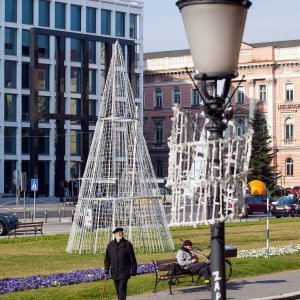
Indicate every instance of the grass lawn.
{"type": "Point", "coordinates": [25, 256]}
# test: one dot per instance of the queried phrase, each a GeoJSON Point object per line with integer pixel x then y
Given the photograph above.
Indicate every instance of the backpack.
{"type": "Point", "coordinates": [175, 269]}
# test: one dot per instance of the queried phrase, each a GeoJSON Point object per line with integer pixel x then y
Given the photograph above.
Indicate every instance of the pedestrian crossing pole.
{"type": "Point", "coordinates": [34, 188]}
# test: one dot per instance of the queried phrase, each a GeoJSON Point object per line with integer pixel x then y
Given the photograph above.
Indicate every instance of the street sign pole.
{"type": "Point", "coordinates": [34, 205]}
{"type": "Point", "coordinates": [34, 188]}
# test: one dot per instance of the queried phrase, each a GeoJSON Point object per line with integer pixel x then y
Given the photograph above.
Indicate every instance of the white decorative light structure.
{"type": "Point", "coordinates": [119, 188]}
{"type": "Point", "coordinates": [214, 29]}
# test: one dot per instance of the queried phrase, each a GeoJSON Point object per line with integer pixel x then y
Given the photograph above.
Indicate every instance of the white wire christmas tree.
{"type": "Point", "coordinates": [119, 188]}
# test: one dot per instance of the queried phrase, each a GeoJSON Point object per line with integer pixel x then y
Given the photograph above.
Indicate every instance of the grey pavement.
{"type": "Point", "coordinates": [284, 285]}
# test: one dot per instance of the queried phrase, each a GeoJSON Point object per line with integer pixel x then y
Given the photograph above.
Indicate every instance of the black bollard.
{"type": "Point", "coordinates": [59, 220]}
{"type": "Point", "coordinates": [46, 216]}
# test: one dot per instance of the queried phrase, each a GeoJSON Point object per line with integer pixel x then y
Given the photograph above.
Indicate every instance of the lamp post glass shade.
{"type": "Point", "coordinates": [214, 30]}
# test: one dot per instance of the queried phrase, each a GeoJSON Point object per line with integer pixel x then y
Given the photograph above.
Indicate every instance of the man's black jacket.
{"type": "Point", "coordinates": [120, 258]}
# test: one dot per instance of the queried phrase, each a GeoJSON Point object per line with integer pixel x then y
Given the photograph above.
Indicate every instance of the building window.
{"type": "Point", "coordinates": [240, 127]}
{"type": "Point", "coordinates": [44, 107]}
{"type": "Point", "coordinates": [75, 17]}
{"type": "Point", "coordinates": [44, 140]}
{"type": "Point", "coordinates": [25, 140]}
{"type": "Point", "coordinates": [75, 142]}
{"type": "Point", "coordinates": [10, 107]}
{"type": "Point", "coordinates": [75, 80]}
{"type": "Point", "coordinates": [133, 26]}
{"type": "Point", "coordinates": [11, 11]}
{"type": "Point", "coordinates": [25, 108]}
{"type": "Point", "coordinates": [43, 46]}
{"type": "Point", "coordinates": [137, 86]}
{"type": "Point", "coordinates": [120, 24]}
{"type": "Point", "coordinates": [289, 91]}
{"type": "Point", "coordinates": [75, 50]}
{"type": "Point", "coordinates": [92, 51]}
{"type": "Point", "coordinates": [27, 12]}
{"type": "Point", "coordinates": [262, 92]}
{"type": "Point", "coordinates": [43, 77]}
{"type": "Point", "coordinates": [25, 75]}
{"type": "Point", "coordinates": [158, 99]}
{"type": "Point", "coordinates": [289, 129]}
{"type": "Point", "coordinates": [60, 15]}
{"type": "Point", "coordinates": [289, 167]}
{"type": "Point", "coordinates": [91, 19]}
{"type": "Point", "coordinates": [92, 81]}
{"type": "Point", "coordinates": [10, 140]}
{"type": "Point", "coordinates": [105, 21]}
{"type": "Point", "coordinates": [10, 41]}
{"type": "Point", "coordinates": [75, 109]}
{"type": "Point", "coordinates": [195, 97]}
{"type": "Point", "coordinates": [177, 96]}
{"type": "Point", "coordinates": [10, 74]}
{"type": "Point", "coordinates": [92, 107]}
{"type": "Point", "coordinates": [159, 168]}
{"type": "Point", "coordinates": [158, 134]}
{"type": "Point", "coordinates": [25, 42]}
{"type": "Point", "coordinates": [240, 95]}
{"type": "Point", "coordinates": [44, 13]}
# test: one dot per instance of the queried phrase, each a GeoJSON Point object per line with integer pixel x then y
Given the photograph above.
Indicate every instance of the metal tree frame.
{"type": "Point", "coordinates": [119, 188]}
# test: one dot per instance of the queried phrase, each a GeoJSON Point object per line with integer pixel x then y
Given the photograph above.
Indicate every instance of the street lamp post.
{"type": "Point", "coordinates": [214, 29]}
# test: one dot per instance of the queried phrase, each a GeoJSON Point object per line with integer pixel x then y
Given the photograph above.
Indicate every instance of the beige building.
{"type": "Point", "coordinates": [269, 76]}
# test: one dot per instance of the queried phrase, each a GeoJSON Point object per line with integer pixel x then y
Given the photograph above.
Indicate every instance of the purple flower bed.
{"type": "Point", "coordinates": [41, 281]}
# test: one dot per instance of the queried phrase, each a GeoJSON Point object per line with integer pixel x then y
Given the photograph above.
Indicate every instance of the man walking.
{"type": "Point", "coordinates": [121, 261]}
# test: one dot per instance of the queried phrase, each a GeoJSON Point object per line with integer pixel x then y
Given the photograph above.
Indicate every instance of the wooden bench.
{"type": "Point", "coordinates": [28, 227]}
{"type": "Point", "coordinates": [163, 271]}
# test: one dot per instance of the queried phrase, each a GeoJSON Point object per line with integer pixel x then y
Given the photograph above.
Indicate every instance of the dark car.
{"type": "Point", "coordinates": [286, 206]}
{"type": "Point", "coordinates": [8, 222]}
{"type": "Point", "coordinates": [255, 204]}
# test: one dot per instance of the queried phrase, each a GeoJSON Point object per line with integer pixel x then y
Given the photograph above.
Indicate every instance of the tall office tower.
{"type": "Point", "coordinates": [53, 64]}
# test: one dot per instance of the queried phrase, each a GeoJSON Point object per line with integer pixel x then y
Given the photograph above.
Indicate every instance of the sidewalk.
{"type": "Point", "coordinates": [284, 285]}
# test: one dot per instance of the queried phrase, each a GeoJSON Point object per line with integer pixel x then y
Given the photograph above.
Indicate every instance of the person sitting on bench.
{"type": "Point", "coordinates": [186, 261]}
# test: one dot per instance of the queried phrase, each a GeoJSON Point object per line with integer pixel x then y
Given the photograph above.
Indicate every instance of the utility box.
{"type": "Point", "coordinates": [230, 251]}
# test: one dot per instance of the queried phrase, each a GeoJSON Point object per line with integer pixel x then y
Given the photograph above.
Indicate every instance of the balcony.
{"type": "Point", "coordinates": [289, 142]}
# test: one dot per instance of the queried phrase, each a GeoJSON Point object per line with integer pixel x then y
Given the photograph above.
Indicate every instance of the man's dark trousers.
{"type": "Point", "coordinates": [121, 287]}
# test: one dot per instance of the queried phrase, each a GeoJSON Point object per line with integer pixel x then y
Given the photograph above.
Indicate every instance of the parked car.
{"type": "Point", "coordinates": [286, 206]}
{"type": "Point", "coordinates": [8, 222]}
{"type": "Point", "coordinates": [255, 204]}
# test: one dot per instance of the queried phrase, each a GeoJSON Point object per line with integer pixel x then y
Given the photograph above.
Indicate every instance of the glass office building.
{"type": "Point", "coordinates": [54, 57]}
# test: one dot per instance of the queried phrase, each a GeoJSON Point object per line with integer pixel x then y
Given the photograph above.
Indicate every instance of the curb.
{"type": "Point", "coordinates": [289, 296]}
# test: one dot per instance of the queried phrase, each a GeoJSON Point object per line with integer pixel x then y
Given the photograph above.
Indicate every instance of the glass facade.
{"type": "Point", "coordinates": [10, 41]}
{"type": "Point", "coordinates": [10, 140]}
{"type": "Point", "coordinates": [43, 77]}
{"type": "Point", "coordinates": [25, 42]}
{"type": "Point", "coordinates": [60, 15]}
{"type": "Point", "coordinates": [75, 17]}
{"type": "Point", "coordinates": [10, 70]}
{"type": "Point", "coordinates": [44, 13]}
{"type": "Point", "coordinates": [91, 19]}
{"type": "Point", "coordinates": [43, 46]}
{"type": "Point", "coordinates": [120, 24]}
{"type": "Point", "coordinates": [10, 107]}
{"type": "Point", "coordinates": [25, 75]}
{"type": "Point", "coordinates": [11, 11]}
{"type": "Point", "coordinates": [27, 12]}
{"type": "Point", "coordinates": [133, 26]}
{"type": "Point", "coordinates": [75, 50]}
{"type": "Point", "coordinates": [75, 80]}
{"type": "Point", "coordinates": [79, 22]}
{"type": "Point", "coordinates": [105, 22]}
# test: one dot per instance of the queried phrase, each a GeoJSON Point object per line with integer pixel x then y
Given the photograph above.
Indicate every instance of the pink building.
{"type": "Point", "coordinates": [271, 80]}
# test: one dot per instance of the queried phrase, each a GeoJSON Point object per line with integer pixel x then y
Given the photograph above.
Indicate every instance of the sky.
{"type": "Point", "coordinates": [267, 21]}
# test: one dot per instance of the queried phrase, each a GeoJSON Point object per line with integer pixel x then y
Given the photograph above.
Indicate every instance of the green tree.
{"type": "Point", "coordinates": [262, 154]}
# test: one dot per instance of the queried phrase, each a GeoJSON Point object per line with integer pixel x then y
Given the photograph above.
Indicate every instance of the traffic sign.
{"type": "Point", "coordinates": [34, 184]}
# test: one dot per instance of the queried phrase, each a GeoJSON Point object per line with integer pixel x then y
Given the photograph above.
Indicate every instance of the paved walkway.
{"type": "Point", "coordinates": [283, 285]}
